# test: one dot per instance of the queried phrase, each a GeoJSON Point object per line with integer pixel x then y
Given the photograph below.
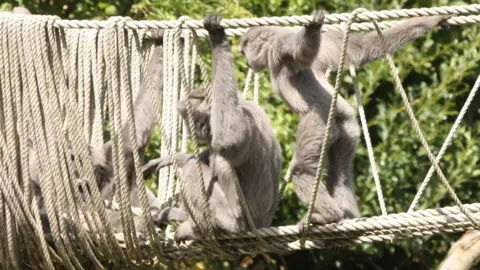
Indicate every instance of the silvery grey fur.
{"type": "Point", "coordinates": [240, 140]}
{"type": "Point", "coordinates": [298, 58]}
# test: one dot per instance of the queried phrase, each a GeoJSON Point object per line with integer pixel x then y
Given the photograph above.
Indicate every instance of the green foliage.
{"type": "Point", "coordinates": [437, 72]}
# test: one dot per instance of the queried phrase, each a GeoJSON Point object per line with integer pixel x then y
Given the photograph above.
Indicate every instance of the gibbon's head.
{"type": "Point", "coordinates": [254, 45]}
{"type": "Point", "coordinates": [21, 10]}
{"type": "Point", "coordinates": [200, 113]}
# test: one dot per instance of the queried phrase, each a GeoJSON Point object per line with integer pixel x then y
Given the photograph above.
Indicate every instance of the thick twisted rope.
{"type": "Point", "coordinates": [114, 102]}
{"type": "Point", "coordinates": [363, 26]}
{"type": "Point", "coordinates": [68, 103]}
{"type": "Point", "coordinates": [110, 247]}
{"type": "Point", "coordinates": [237, 27]}
{"type": "Point", "coordinates": [44, 148]}
{"type": "Point", "coordinates": [165, 148]}
{"type": "Point", "coordinates": [248, 81]}
{"type": "Point", "coordinates": [7, 125]}
{"type": "Point", "coordinates": [52, 109]}
{"type": "Point", "coordinates": [178, 49]}
{"type": "Point", "coordinates": [366, 16]}
{"type": "Point", "coordinates": [133, 136]}
{"type": "Point", "coordinates": [347, 232]}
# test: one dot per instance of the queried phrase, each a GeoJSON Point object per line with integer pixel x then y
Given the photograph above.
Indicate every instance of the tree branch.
{"type": "Point", "coordinates": [464, 254]}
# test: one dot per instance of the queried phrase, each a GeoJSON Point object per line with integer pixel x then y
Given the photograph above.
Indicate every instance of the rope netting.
{"type": "Point", "coordinates": [65, 82]}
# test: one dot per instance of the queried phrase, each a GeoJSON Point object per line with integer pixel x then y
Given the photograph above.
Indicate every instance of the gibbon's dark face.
{"type": "Point", "coordinates": [200, 113]}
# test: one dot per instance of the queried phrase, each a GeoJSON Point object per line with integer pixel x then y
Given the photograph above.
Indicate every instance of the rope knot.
{"type": "Point", "coordinates": [117, 21]}
{"type": "Point", "coordinates": [357, 14]}
{"type": "Point", "coordinates": [52, 20]}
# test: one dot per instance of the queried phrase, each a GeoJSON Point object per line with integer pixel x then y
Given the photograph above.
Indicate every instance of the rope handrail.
{"type": "Point", "coordinates": [348, 232]}
{"type": "Point", "coordinates": [284, 20]}
{"type": "Point", "coordinates": [465, 14]}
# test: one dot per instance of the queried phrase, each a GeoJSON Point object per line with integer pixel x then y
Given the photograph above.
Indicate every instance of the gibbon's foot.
{"type": "Point", "coordinates": [318, 18]}
{"type": "Point", "coordinates": [184, 232]}
{"type": "Point", "coordinates": [212, 22]}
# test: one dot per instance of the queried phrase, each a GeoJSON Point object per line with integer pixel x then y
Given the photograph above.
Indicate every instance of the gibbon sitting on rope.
{"type": "Point", "coordinates": [241, 143]}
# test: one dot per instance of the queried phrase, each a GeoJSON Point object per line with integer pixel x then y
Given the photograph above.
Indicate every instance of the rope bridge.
{"type": "Point", "coordinates": [61, 77]}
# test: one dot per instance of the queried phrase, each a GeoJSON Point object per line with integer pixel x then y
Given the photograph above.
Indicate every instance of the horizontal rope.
{"type": "Point", "coordinates": [357, 27]}
{"type": "Point", "coordinates": [348, 232]}
{"type": "Point", "coordinates": [234, 24]}
{"type": "Point", "coordinates": [284, 20]}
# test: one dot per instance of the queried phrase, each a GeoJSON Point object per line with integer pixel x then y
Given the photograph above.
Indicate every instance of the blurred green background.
{"type": "Point", "coordinates": [437, 70]}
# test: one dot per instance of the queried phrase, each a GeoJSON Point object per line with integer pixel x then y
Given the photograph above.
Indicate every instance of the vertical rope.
{"type": "Point", "coordinates": [23, 131]}
{"type": "Point", "coordinates": [328, 72]}
{"type": "Point", "coordinates": [137, 43]}
{"type": "Point", "coordinates": [256, 87]}
{"type": "Point", "coordinates": [51, 111]}
{"type": "Point", "coordinates": [128, 80]}
{"type": "Point", "coordinates": [69, 105]}
{"type": "Point", "coordinates": [319, 173]}
{"type": "Point", "coordinates": [87, 84]}
{"type": "Point", "coordinates": [57, 145]}
{"type": "Point", "coordinates": [43, 146]}
{"type": "Point", "coordinates": [11, 237]}
{"type": "Point", "coordinates": [8, 246]}
{"type": "Point", "coordinates": [368, 141]}
{"type": "Point", "coordinates": [111, 248]}
{"type": "Point", "coordinates": [190, 83]}
{"type": "Point", "coordinates": [97, 87]}
{"type": "Point", "coordinates": [248, 80]}
{"type": "Point", "coordinates": [163, 174]}
{"type": "Point", "coordinates": [115, 36]}
{"type": "Point", "coordinates": [3, 233]}
{"type": "Point", "coordinates": [85, 168]}
{"type": "Point", "coordinates": [11, 142]}
{"type": "Point", "coordinates": [136, 179]}
{"type": "Point", "coordinates": [207, 232]}
{"type": "Point", "coordinates": [201, 63]}
{"type": "Point", "coordinates": [189, 76]}
{"type": "Point", "coordinates": [176, 90]}
{"type": "Point", "coordinates": [81, 91]}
